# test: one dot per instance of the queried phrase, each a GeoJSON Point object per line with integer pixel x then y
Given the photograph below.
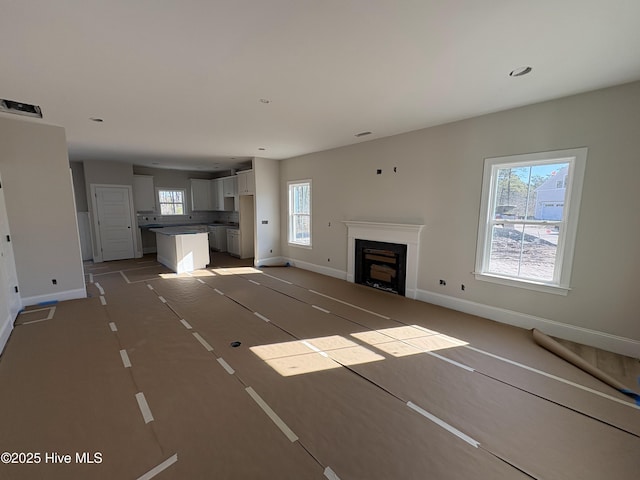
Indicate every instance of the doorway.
{"type": "Point", "coordinates": [114, 222]}
{"type": "Point", "coordinates": [10, 301]}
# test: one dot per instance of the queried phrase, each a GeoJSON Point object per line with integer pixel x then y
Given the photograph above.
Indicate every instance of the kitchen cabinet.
{"type": "Point", "coordinates": [200, 195]}
{"type": "Point", "coordinates": [217, 194]}
{"type": "Point", "coordinates": [182, 249]}
{"type": "Point", "coordinates": [144, 195]}
{"type": "Point", "coordinates": [233, 242]}
{"type": "Point", "coordinates": [230, 186]}
{"type": "Point", "coordinates": [218, 238]}
{"type": "Point", "coordinates": [246, 183]}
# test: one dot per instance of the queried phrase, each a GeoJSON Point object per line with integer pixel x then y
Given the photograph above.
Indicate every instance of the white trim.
{"type": "Point", "coordinates": [57, 296]}
{"type": "Point", "coordinates": [184, 201]}
{"type": "Point", "coordinates": [576, 158]}
{"type": "Point", "coordinates": [605, 341]}
{"type": "Point", "coordinates": [328, 271]}
{"type": "Point", "coordinates": [291, 183]}
{"type": "Point", "coordinates": [5, 332]}
{"type": "Point", "coordinates": [265, 262]}
{"type": "Point", "coordinates": [400, 233]}
{"type": "Point", "coordinates": [529, 285]}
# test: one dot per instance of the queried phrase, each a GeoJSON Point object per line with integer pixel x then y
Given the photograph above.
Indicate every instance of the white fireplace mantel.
{"type": "Point", "coordinates": [402, 233]}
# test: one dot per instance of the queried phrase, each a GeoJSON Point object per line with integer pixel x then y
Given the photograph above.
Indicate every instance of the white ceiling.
{"type": "Point", "coordinates": [179, 83]}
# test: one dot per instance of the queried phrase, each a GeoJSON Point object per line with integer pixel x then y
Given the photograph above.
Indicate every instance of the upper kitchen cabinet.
{"type": "Point", "coordinates": [144, 197]}
{"type": "Point", "coordinates": [246, 183]}
{"type": "Point", "coordinates": [230, 186]}
{"type": "Point", "coordinates": [201, 195]}
{"type": "Point", "coordinates": [217, 194]}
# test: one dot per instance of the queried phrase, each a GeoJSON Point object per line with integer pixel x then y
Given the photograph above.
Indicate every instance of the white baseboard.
{"type": "Point", "coordinates": [585, 336]}
{"type": "Point", "coordinates": [5, 330]}
{"type": "Point", "coordinates": [330, 272]}
{"type": "Point", "coordinates": [58, 296]}
{"type": "Point", "coordinates": [269, 261]}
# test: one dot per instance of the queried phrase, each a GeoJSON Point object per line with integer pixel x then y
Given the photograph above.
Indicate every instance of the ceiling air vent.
{"type": "Point", "coordinates": [20, 108]}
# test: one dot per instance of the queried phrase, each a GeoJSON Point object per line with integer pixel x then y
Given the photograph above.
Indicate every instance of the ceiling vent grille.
{"type": "Point", "coordinates": [20, 108]}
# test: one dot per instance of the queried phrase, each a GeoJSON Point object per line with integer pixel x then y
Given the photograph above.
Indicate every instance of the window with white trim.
{"type": "Point", "coordinates": [299, 213]}
{"type": "Point", "coordinates": [528, 219]}
{"type": "Point", "coordinates": [171, 201]}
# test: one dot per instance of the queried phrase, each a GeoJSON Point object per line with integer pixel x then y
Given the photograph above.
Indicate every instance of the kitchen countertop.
{"type": "Point", "coordinates": [183, 230]}
{"type": "Point", "coordinates": [171, 225]}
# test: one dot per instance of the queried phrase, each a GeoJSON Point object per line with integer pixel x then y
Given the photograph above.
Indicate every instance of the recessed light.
{"type": "Point", "coordinates": [362, 134]}
{"type": "Point", "coordinates": [96, 119]}
{"type": "Point", "coordinates": [520, 71]}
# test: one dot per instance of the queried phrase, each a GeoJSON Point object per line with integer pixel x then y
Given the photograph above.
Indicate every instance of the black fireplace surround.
{"type": "Point", "coordinates": [381, 265]}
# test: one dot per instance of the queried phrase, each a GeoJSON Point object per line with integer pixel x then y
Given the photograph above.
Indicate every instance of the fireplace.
{"type": "Point", "coordinates": [404, 234]}
{"type": "Point", "coordinates": [381, 265]}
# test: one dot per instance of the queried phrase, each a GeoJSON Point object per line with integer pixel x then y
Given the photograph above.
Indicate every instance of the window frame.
{"type": "Point", "coordinates": [290, 215]}
{"type": "Point", "coordinates": [172, 189]}
{"type": "Point", "coordinates": [560, 284]}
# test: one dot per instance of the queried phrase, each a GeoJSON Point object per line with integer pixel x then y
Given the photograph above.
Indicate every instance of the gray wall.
{"type": "Point", "coordinates": [267, 179]}
{"type": "Point", "coordinates": [98, 172]}
{"type": "Point", "coordinates": [438, 183]}
{"type": "Point", "coordinates": [79, 187]}
{"type": "Point", "coordinates": [41, 211]}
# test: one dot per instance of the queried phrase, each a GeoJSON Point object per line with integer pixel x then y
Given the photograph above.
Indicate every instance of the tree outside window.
{"type": "Point", "coordinates": [300, 213]}
{"type": "Point", "coordinates": [529, 218]}
{"type": "Point", "coordinates": [171, 201]}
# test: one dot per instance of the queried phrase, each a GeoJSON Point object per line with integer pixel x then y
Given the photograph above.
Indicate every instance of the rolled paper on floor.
{"type": "Point", "coordinates": [550, 344]}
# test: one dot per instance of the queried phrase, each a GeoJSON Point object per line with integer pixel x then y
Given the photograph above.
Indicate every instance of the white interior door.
{"type": "Point", "coordinates": [9, 294]}
{"type": "Point", "coordinates": [114, 222]}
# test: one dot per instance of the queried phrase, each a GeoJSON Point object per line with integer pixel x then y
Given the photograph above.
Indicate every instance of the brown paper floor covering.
{"type": "Point", "coordinates": [330, 380]}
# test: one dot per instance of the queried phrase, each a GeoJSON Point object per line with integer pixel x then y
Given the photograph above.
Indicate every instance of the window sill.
{"type": "Point", "coordinates": [299, 245]}
{"type": "Point", "coordinates": [526, 284]}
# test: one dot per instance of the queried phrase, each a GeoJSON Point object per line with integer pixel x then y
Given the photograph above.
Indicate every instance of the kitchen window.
{"type": "Point", "coordinates": [300, 213]}
{"type": "Point", "coordinates": [171, 201]}
{"type": "Point", "coordinates": [528, 219]}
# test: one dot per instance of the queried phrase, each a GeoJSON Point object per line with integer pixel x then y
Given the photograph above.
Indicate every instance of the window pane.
{"type": "Point", "coordinates": [521, 192]}
{"type": "Point", "coordinates": [551, 191]}
{"type": "Point", "coordinates": [301, 226]}
{"type": "Point", "coordinates": [512, 193]}
{"type": "Point", "coordinates": [301, 199]}
{"type": "Point", "coordinates": [504, 258]}
{"type": "Point", "coordinates": [166, 209]}
{"type": "Point", "coordinates": [527, 251]}
{"type": "Point", "coordinates": [171, 202]}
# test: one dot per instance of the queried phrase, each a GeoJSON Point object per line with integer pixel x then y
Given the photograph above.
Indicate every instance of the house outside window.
{"type": "Point", "coordinates": [171, 201]}
{"type": "Point", "coordinates": [300, 213]}
{"type": "Point", "coordinates": [528, 219]}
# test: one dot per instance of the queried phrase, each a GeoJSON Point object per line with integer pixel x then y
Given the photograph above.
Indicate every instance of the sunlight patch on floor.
{"type": "Point", "coordinates": [314, 355]}
{"type": "Point", "coordinates": [235, 270]}
{"type": "Point", "coordinates": [407, 340]}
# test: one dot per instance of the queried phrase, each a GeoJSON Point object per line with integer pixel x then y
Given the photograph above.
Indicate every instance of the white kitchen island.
{"type": "Point", "coordinates": [182, 249]}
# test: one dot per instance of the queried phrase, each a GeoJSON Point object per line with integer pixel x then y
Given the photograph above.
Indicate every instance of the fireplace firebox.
{"type": "Point", "coordinates": [381, 265]}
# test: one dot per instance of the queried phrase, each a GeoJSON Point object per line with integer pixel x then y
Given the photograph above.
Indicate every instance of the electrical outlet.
{"type": "Point", "coordinates": [54, 281]}
{"type": "Point", "coordinates": [442, 282]}
{"type": "Point", "coordinates": [462, 287]}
